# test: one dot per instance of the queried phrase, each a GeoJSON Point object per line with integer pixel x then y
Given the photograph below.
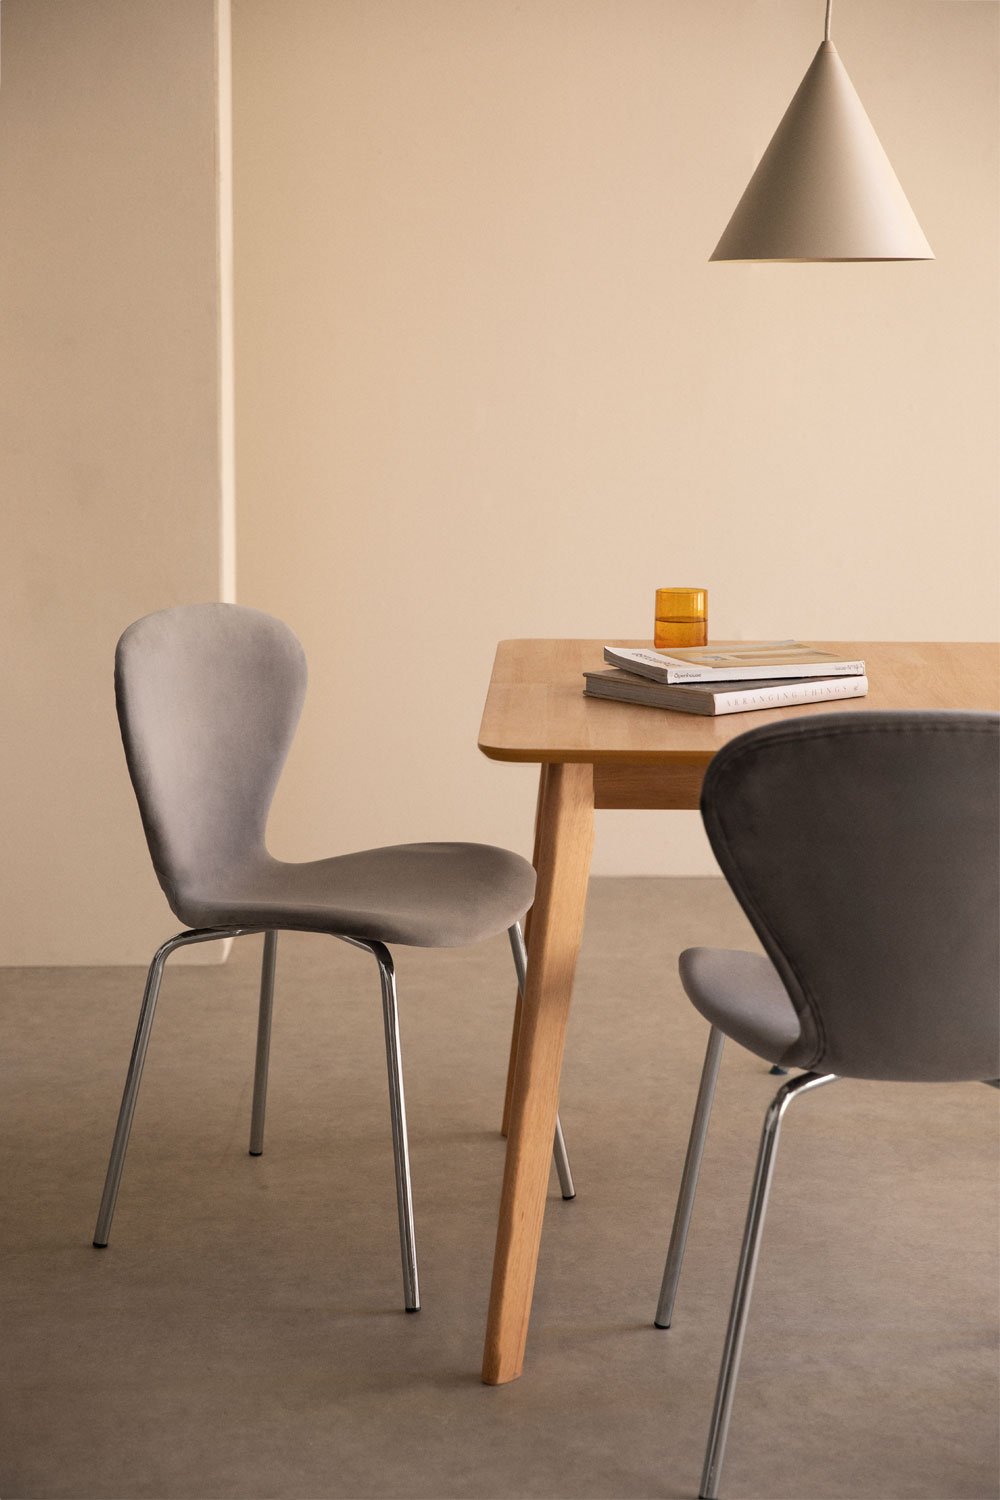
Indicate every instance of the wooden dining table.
{"type": "Point", "coordinates": [596, 754]}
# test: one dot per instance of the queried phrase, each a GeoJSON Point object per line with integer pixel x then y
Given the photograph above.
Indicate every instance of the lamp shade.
{"type": "Point", "coordinates": [824, 188]}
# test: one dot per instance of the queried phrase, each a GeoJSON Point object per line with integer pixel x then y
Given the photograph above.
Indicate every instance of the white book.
{"type": "Point", "coordinates": [733, 661]}
{"type": "Point", "coordinates": [721, 697]}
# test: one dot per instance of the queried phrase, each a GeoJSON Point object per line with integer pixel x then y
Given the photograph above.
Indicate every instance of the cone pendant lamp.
{"type": "Point", "coordinates": [824, 188]}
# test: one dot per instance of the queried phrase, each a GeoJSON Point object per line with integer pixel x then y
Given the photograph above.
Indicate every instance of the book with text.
{"type": "Point", "coordinates": [721, 697]}
{"type": "Point", "coordinates": [733, 661]}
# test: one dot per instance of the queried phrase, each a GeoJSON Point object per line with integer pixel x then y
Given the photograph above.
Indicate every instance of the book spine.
{"type": "Point", "coordinates": [789, 697]}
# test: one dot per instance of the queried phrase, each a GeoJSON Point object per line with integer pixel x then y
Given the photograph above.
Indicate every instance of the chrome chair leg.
{"type": "Point", "coordinates": [263, 1043]}
{"type": "Point", "coordinates": [559, 1152]}
{"type": "Point", "coordinates": [689, 1179]}
{"type": "Point", "coordinates": [561, 1156]}
{"type": "Point", "coordinates": [397, 1110]}
{"type": "Point", "coordinates": [134, 1076]}
{"type": "Point", "coordinates": [739, 1312]}
{"type": "Point", "coordinates": [400, 1145]}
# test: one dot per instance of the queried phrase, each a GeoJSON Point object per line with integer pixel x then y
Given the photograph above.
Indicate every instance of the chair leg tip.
{"type": "Point", "coordinates": [411, 1309]}
{"type": "Point", "coordinates": [660, 1325]}
{"type": "Point", "coordinates": [100, 1244]}
{"type": "Point", "coordinates": [252, 1152]}
{"type": "Point", "coordinates": [568, 1197]}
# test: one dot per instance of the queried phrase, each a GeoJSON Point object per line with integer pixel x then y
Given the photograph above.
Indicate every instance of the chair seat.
{"type": "Point", "coordinates": [421, 895]}
{"type": "Point", "coordinates": [742, 994]}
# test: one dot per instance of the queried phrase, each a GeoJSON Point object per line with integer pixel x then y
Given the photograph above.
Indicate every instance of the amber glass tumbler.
{"type": "Point", "coordinates": [681, 617]}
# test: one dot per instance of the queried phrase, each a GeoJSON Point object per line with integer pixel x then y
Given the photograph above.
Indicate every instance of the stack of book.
{"type": "Point", "coordinates": [727, 677]}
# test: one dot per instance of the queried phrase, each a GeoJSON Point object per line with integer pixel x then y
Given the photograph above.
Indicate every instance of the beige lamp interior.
{"type": "Point", "coordinates": [824, 189]}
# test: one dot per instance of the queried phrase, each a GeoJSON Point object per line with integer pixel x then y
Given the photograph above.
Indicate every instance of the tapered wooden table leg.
{"type": "Point", "coordinates": [516, 1028]}
{"type": "Point", "coordinates": [564, 842]}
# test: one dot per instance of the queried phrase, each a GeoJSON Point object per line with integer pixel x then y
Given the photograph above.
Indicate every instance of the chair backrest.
{"type": "Point", "coordinates": [864, 849]}
{"type": "Point", "coordinates": [208, 698]}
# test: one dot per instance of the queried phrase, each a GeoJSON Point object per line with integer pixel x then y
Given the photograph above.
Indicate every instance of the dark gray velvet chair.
{"type": "Point", "coordinates": [863, 847]}
{"type": "Point", "coordinates": [208, 697]}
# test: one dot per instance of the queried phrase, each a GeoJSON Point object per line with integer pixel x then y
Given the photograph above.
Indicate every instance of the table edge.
{"type": "Point", "coordinates": [596, 757]}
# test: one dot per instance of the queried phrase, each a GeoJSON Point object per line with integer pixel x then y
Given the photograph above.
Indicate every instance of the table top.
{"type": "Point", "coordinates": [535, 709]}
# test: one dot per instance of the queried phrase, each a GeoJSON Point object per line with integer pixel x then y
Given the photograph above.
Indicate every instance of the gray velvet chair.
{"type": "Point", "coordinates": [863, 847]}
{"type": "Point", "coordinates": [209, 696]}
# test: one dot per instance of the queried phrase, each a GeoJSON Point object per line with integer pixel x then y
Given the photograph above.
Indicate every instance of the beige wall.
{"type": "Point", "coordinates": [488, 384]}
{"type": "Point", "coordinates": [111, 447]}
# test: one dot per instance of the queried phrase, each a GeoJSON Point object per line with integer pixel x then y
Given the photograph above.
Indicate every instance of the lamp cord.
{"type": "Point", "coordinates": [826, 28]}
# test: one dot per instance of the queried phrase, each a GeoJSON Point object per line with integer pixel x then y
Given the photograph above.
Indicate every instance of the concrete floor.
{"type": "Point", "coordinates": [243, 1336]}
